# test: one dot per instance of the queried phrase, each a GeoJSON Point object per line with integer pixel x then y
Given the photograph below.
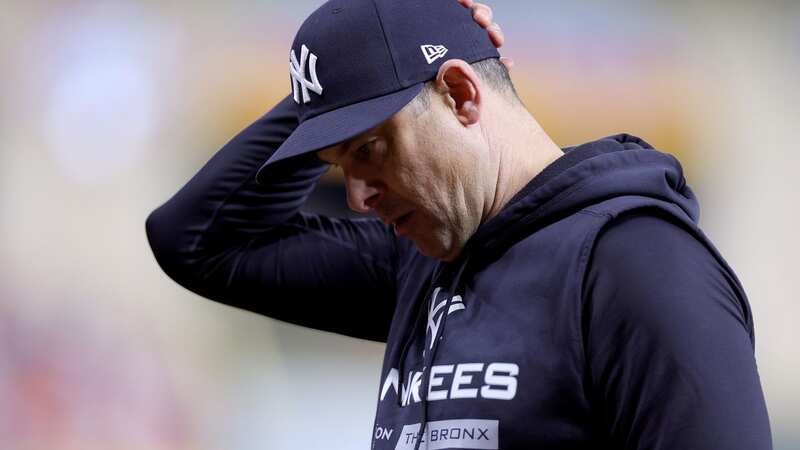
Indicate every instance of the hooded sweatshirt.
{"type": "Point", "coordinates": [590, 312]}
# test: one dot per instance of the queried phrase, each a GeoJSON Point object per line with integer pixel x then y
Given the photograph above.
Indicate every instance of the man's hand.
{"type": "Point", "coordinates": [483, 16]}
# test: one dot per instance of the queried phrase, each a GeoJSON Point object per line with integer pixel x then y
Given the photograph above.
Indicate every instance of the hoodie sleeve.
{"type": "Point", "coordinates": [247, 245]}
{"type": "Point", "coordinates": [669, 342]}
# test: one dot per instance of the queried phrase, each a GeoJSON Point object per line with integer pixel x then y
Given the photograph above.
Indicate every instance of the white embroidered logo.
{"type": "Point", "coordinates": [433, 52]}
{"type": "Point", "coordinates": [298, 73]}
{"type": "Point", "coordinates": [456, 304]}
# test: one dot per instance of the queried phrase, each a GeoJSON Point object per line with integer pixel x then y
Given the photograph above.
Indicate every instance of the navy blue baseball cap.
{"type": "Point", "coordinates": [355, 63]}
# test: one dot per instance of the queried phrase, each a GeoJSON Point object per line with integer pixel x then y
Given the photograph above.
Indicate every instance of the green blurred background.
{"type": "Point", "coordinates": [108, 107]}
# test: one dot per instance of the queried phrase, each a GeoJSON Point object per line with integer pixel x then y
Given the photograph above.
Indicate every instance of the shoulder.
{"type": "Point", "coordinates": [646, 235]}
{"type": "Point", "coordinates": [653, 247]}
{"type": "Point", "coordinates": [648, 267]}
{"type": "Point", "coordinates": [666, 341]}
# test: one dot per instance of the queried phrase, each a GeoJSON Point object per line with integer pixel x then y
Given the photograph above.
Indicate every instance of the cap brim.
{"type": "Point", "coordinates": [338, 125]}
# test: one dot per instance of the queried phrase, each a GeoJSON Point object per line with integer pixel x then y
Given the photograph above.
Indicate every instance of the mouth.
{"type": "Point", "coordinates": [402, 223]}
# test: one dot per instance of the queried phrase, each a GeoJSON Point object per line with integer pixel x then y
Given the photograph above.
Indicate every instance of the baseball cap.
{"type": "Point", "coordinates": [355, 63]}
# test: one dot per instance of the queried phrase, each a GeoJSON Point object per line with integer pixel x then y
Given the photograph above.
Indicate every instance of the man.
{"type": "Point", "coordinates": [529, 297]}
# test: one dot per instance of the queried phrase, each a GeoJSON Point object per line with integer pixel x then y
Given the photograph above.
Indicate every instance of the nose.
{"type": "Point", "coordinates": [361, 196]}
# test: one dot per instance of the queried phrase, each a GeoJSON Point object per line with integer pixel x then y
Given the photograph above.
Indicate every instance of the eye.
{"type": "Point", "coordinates": [362, 153]}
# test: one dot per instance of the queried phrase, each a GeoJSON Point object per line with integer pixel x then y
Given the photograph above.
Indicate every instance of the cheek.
{"type": "Point", "coordinates": [422, 186]}
{"type": "Point", "coordinates": [421, 171]}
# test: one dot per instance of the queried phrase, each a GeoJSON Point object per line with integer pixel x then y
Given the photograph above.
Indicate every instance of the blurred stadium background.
{"type": "Point", "coordinates": [108, 107]}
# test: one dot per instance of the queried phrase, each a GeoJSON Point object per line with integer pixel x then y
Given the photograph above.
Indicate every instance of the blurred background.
{"type": "Point", "coordinates": [108, 107]}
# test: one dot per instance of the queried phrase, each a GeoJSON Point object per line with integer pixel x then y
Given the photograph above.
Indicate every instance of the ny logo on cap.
{"type": "Point", "coordinates": [298, 73]}
{"type": "Point", "coordinates": [433, 52]}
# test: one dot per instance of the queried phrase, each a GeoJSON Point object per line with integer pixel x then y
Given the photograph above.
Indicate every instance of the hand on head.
{"type": "Point", "coordinates": [483, 16]}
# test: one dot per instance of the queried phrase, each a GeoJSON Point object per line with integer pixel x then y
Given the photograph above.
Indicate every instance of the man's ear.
{"type": "Point", "coordinates": [460, 84]}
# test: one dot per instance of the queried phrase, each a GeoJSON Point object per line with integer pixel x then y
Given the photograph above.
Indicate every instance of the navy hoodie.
{"type": "Point", "coordinates": [591, 312]}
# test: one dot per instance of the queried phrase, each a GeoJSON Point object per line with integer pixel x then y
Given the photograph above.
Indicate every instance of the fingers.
{"type": "Point", "coordinates": [508, 62]}
{"type": "Point", "coordinates": [480, 12]}
{"type": "Point", "coordinates": [483, 15]}
{"type": "Point", "coordinates": [496, 35]}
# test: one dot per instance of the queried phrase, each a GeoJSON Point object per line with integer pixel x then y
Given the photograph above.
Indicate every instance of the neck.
{"type": "Point", "coordinates": [522, 151]}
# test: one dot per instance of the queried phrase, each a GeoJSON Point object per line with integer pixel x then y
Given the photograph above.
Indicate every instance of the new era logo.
{"type": "Point", "coordinates": [433, 52]}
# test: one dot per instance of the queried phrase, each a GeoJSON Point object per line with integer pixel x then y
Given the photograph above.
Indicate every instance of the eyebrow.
{"type": "Point", "coordinates": [343, 148]}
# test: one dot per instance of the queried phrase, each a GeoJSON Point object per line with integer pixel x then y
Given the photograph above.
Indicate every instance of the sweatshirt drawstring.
{"type": "Point", "coordinates": [434, 347]}
{"type": "Point", "coordinates": [412, 334]}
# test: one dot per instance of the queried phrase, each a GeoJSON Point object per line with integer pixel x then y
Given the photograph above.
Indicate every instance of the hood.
{"type": "Point", "coordinates": [587, 174]}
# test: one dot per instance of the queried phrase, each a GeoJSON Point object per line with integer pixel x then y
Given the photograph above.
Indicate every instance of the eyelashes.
{"type": "Point", "coordinates": [362, 153]}
{"type": "Point", "coordinates": [369, 153]}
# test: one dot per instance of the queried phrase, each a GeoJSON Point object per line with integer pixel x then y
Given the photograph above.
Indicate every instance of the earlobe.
{"type": "Point", "coordinates": [471, 114]}
{"type": "Point", "coordinates": [461, 85]}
